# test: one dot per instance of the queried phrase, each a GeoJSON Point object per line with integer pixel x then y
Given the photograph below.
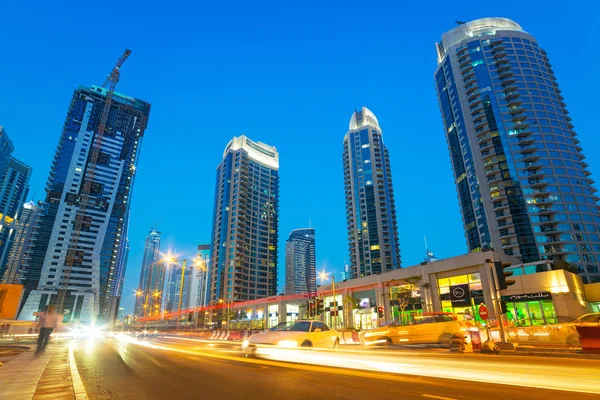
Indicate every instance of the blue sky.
{"type": "Point", "coordinates": [287, 74]}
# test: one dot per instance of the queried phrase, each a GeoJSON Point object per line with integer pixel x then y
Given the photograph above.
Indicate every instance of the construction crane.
{"type": "Point", "coordinates": [73, 256]}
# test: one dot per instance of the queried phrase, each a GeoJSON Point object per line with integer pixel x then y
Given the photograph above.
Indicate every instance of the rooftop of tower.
{"type": "Point", "coordinates": [362, 118]}
{"type": "Point", "coordinates": [258, 151]}
{"type": "Point", "coordinates": [478, 27]}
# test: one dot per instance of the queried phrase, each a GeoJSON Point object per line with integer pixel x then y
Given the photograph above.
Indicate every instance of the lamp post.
{"type": "Point", "coordinates": [324, 276]}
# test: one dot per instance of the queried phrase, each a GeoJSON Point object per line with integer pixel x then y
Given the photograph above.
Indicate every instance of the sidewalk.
{"type": "Point", "coordinates": [52, 375]}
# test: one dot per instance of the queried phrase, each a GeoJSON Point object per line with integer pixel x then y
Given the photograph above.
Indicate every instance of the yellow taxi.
{"type": "Point", "coordinates": [426, 328]}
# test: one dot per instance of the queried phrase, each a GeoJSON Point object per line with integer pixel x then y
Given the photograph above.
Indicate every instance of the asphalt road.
{"type": "Point", "coordinates": [176, 369]}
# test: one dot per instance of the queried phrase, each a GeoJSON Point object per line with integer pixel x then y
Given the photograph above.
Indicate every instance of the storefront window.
{"type": "Point", "coordinates": [334, 315]}
{"type": "Point", "coordinates": [531, 313]}
{"type": "Point", "coordinates": [461, 294]}
{"type": "Point", "coordinates": [273, 315]}
{"type": "Point", "coordinates": [292, 312]}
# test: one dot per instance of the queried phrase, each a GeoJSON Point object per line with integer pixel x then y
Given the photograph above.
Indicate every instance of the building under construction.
{"type": "Point", "coordinates": [78, 252]}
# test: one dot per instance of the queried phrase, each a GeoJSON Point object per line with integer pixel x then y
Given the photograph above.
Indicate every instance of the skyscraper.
{"type": "Point", "coordinates": [199, 279]}
{"type": "Point", "coordinates": [370, 207]}
{"type": "Point", "coordinates": [170, 294]}
{"type": "Point", "coordinates": [6, 149]}
{"type": "Point", "coordinates": [149, 263]}
{"type": "Point", "coordinates": [13, 191]}
{"type": "Point", "coordinates": [245, 223]}
{"type": "Point", "coordinates": [521, 178]}
{"type": "Point", "coordinates": [300, 264]}
{"type": "Point", "coordinates": [80, 237]}
{"type": "Point", "coordinates": [20, 242]}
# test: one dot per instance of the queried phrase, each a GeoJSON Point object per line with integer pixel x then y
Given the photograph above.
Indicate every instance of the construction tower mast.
{"type": "Point", "coordinates": [74, 256]}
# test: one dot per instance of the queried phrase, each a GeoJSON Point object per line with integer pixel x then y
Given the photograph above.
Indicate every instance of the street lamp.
{"type": "Point", "coordinates": [324, 276]}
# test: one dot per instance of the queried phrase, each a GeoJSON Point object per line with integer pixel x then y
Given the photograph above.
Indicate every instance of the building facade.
{"type": "Point", "coordinates": [170, 294]}
{"type": "Point", "coordinates": [522, 180]}
{"type": "Point", "coordinates": [77, 244]}
{"type": "Point", "coordinates": [13, 191]}
{"type": "Point", "coordinates": [300, 263]}
{"type": "Point", "coordinates": [149, 263]}
{"type": "Point", "coordinates": [370, 206]}
{"type": "Point", "coordinates": [6, 149]}
{"type": "Point", "coordinates": [199, 281]}
{"type": "Point", "coordinates": [245, 223]}
{"type": "Point", "coordinates": [21, 239]}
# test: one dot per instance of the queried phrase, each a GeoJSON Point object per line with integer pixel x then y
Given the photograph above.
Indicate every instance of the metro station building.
{"type": "Point", "coordinates": [459, 285]}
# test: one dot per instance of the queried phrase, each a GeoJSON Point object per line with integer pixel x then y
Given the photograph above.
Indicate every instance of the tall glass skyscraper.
{"type": "Point", "coordinates": [370, 207]}
{"type": "Point", "coordinates": [199, 283]}
{"type": "Point", "coordinates": [245, 223]}
{"type": "Point", "coordinates": [20, 241]}
{"type": "Point", "coordinates": [300, 264]}
{"type": "Point", "coordinates": [13, 191]}
{"type": "Point", "coordinates": [89, 245]}
{"type": "Point", "coordinates": [149, 263]}
{"type": "Point", "coordinates": [522, 182]}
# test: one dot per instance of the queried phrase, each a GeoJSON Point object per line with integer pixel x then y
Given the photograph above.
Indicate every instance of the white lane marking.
{"type": "Point", "coordinates": [433, 396]}
{"type": "Point", "coordinates": [79, 389]}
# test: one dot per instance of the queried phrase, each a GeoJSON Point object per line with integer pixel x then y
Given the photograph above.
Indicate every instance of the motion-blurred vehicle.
{"type": "Point", "coordinates": [426, 328]}
{"type": "Point", "coordinates": [301, 333]}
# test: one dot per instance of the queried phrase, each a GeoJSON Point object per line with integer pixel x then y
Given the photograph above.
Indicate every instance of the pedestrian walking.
{"type": "Point", "coordinates": [48, 322]}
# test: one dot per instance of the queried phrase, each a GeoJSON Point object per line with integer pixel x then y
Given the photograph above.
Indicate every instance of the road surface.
{"type": "Point", "coordinates": [172, 368]}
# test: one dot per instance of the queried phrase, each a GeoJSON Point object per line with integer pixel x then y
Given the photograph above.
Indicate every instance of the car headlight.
{"type": "Point", "coordinates": [287, 343]}
{"type": "Point", "coordinates": [245, 343]}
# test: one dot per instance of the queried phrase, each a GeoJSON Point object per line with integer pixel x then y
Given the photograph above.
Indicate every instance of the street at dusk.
{"type": "Point", "coordinates": [299, 200]}
{"type": "Point", "coordinates": [175, 368]}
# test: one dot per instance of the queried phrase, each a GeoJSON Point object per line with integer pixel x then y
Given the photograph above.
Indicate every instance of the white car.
{"type": "Point", "coordinates": [301, 333]}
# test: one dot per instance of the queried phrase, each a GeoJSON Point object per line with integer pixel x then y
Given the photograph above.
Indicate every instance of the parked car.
{"type": "Point", "coordinates": [426, 328]}
{"type": "Point", "coordinates": [592, 319]}
{"type": "Point", "coordinates": [301, 333]}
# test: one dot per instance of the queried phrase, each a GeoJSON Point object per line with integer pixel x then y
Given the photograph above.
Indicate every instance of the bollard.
{"type": "Point", "coordinates": [459, 344]}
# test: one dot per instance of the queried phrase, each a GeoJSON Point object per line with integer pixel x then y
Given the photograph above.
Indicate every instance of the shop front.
{"type": "Point", "coordinates": [333, 311]}
{"type": "Point", "coordinates": [364, 310]}
{"type": "Point", "coordinates": [530, 309]}
{"type": "Point", "coordinates": [292, 312]}
{"type": "Point", "coordinates": [405, 302]}
{"type": "Point", "coordinates": [462, 295]}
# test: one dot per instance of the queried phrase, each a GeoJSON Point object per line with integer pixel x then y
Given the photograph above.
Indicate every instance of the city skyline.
{"type": "Point", "coordinates": [333, 250]}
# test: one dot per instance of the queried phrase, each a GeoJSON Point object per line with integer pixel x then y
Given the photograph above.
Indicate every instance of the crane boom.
{"type": "Point", "coordinates": [74, 256]}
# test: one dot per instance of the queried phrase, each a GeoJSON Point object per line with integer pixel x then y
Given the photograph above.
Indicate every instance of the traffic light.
{"type": "Point", "coordinates": [310, 309]}
{"type": "Point", "coordinates": [380, 312]}
{"type": "Point", "coordinates": [503, 307]}
{"type": "Point", "coordinates": [502, 274]}
{"type": "Point", "coordinates": [319, 306]}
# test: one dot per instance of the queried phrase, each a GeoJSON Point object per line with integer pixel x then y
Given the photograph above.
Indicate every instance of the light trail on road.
{"type": "Point", "coordinates": [571, 375]}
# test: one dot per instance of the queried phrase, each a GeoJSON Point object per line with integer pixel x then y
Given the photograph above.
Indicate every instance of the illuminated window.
{"type": "Point", "coordinates": [375, 247]}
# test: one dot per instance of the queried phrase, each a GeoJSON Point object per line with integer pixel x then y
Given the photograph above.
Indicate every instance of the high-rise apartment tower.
{"type": "Point", "coordinates": [245, 223]}
{"type": "Point", "coordinates": [523, 185]}
{"type": "Point", "coordinates": [370, 207]}
{"type": "Point", "coordinates": [300, 264]}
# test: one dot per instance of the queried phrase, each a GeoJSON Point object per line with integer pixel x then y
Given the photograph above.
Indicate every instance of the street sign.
{"type": "Point", "coordinates": [483, 312]}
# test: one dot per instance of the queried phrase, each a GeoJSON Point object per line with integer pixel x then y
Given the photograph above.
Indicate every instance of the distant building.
{"type": "Point", "coordinates": [21, 239]}
{"type": "Point", "coordinates": [370, 206]}
{"type": "Point", "coordinates": [300, 264]}
{"type": "Point", "coordinates": [13, 191]}
{"type": "Point", "coordinates": [523, 184]}
{"type": "Point", "coordinates": [170, 295]}
{"type": "Point", "coordinates": [149, 263]}
{"type": "Point", "coordinates": [81, 235]}
{"type": "Point", "coordinates": [199, 279]}
{"type": "Point", "coordinates": [245, 223]}
{"type": "Point", "coordinates": [6, 149]}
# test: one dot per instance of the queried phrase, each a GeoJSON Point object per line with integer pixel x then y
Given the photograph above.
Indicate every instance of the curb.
{"type": "Point", "coordinates": [78, 388]}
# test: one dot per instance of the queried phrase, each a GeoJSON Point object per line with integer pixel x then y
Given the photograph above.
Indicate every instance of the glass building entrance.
{"type": "Point", "coordinates": [531, 309]}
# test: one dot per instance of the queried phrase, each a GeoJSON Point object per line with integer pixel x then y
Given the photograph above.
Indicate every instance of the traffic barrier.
{"type": "Point", "coordinates": [459, 344]}
{"type": "Point", "coordinates": [589, 337]}
{"type": "Point", "coordinates": [235, 335]}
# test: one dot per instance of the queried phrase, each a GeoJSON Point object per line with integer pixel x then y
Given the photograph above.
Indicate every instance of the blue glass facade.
{"type": "Point", "coordinates": [504, 115]}
{"type": "Point", "coordinates": [243, 262]}
{"type": "Point", "coordinates": [300, 262]}
{"type": "Point", "coordinates": [370, 207]}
